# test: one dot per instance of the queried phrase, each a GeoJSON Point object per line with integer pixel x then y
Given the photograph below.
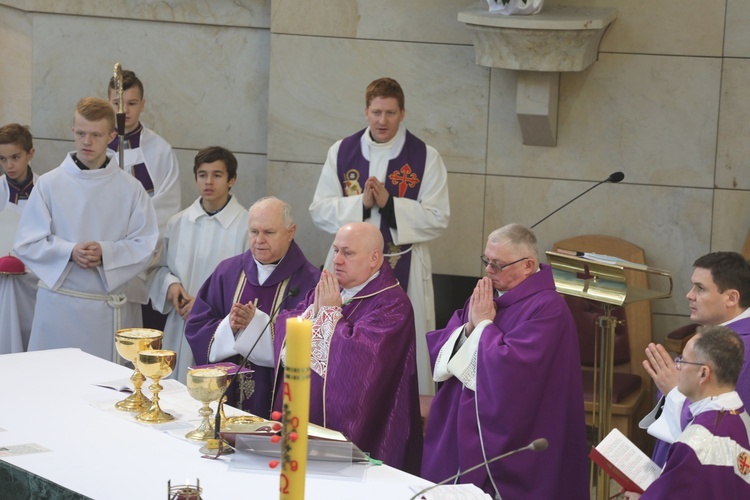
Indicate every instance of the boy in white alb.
{"type": "Point", "coordinates": [87, 229]}
{"type": "Point", "coordinates": [17, 291]}
{"type": "Point", "coordinates": [212, 229]}
{"type": "Point", "coordinates": [150, 159]}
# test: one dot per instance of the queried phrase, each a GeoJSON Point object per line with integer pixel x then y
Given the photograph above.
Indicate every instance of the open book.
{"type": "Point", "coordinates": [625, 462]}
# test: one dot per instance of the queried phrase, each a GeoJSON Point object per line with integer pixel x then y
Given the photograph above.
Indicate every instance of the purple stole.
{"type": "Point", "coordinates": [17, 192]}
{"type": "Point", "coordinates": [140, 172]}
{"type": "Point", "coordinates": [402, 179]}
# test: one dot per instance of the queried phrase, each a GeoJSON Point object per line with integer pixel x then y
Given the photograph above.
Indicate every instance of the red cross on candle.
{"type": "Point", "coordinates": [407, 178]}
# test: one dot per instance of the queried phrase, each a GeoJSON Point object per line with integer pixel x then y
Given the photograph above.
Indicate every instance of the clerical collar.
{"type": "Point", "coordinates": [20, 190]}
{"type": "Point", "coordinates": [348, 293]}
{"type": "Point", "coordinates": [744, 314]}
{"type": "Point", "coordinates": [214, 212]}
{"type": "Point", "coordinates": [265, 270]}
{"type": "Point", "coordinates": [135, 131]}
{"type": "Point", "coordinates": [395, 145]}
{"type": "Point", "coordinates": [80, 165]}
{"type": "Point", "coordinates": [727, 401]}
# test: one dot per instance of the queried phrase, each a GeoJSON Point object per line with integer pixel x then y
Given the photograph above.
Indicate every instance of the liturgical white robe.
{"type": "Point", "coordinates": [79, 307]}
{"type": "Point", "coordinates": [194, 243]}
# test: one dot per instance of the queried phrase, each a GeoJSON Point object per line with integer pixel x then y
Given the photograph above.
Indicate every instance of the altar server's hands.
{"type": "Point", "coordinates": [87, 255]}
{"type": "Point", "coordinates": [181, 301]}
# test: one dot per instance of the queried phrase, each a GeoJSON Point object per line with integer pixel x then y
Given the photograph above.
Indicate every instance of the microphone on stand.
{"type": "Point", "coordinates": [535, 445]}
{"type": "Point", "coordinates": [614, 179]}
{"type": "Point", "coordinates": [217, 421]}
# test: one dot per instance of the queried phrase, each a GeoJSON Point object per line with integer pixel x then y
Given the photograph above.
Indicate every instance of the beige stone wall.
{"type": "Point", "coordinates": [279, 81]}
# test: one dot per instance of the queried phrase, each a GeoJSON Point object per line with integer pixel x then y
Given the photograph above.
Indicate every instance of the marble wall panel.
{"type": "Point", "coordinates": [731, 220]}
{"type": "Point", "coordinates": [733, 148]}
{"type": "Point", "coordinates": [248, 13]}
{"type": "Point", "coordinates": [251, 177]}
{"type": "Point", "coordinates": [295, 183]}
{"type": "Point", "coordinates": [457, 251]}
{"type": "Point", "coordinates": [15, 66]}
{"type": "Point", "coordinates": [317, 85]}
{"type": "Point", "coordinates": [203, 85]}
{"type": "Point", "coordinates": [50, 154]}
{"type": "Point", "coordinates": [662, 324]}
{"type": "Point", "coordinates": [737, 36]}
{"type": "Point", "coordinates": [674, 27]}
{"type": "Point", "coordinates": [417, 20]}
{"type": "Point", "coordinates": [672, 225]}
{"type": "Point", "coordinates": [652, 117]}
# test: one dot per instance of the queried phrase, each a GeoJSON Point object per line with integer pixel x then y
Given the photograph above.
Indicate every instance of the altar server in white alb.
{"type": "Point", "coordinates": [385, 175]}
{"type": "Point", "coordinates": [212, 229]}
{"type": "Point", "coordinates": [150, 159]}
{"type": "Point", "coordinates": [17, 291]}
{"type": "Point", "coordinates": [87, 229]}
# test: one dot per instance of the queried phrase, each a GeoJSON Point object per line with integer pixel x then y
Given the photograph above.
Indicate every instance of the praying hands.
{"type": "Point", "coordinates": [241, 315]}
{"type": "Point", "coordinates": [482, 304]}
{"type": "Point", "coordinates": [375, 193]}
{"type": "Point", "coordinates": [327, 292]}
{"type": "Point", "coordinates": [87, 255]}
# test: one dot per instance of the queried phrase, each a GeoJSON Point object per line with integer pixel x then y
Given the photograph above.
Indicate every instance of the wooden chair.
{"type": "Point", "coordinates": [632, 391]}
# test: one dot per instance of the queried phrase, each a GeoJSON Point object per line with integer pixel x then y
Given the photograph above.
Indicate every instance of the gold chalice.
{"type": "Point", "coordinates": [205, 385]}
{"type": "Point", "coordinates": [129, 342]}
{"type": "Point", "coordinates": [155, 364]}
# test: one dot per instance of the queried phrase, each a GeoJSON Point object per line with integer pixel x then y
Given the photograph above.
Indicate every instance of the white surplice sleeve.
{"type": "Point", "coordinates": [462, 362]}
{"type": "Point", "coordinates": [330, 209]}
{"type": "Point", "coordinates": [425, 218]}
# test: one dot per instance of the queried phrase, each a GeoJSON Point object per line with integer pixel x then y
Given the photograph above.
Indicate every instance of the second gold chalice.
{"type": "Point", "coordinates": [129, 342]}
{"type": "Point", "coordinates": [155, 365]}
{"type": "Point", "coordinates": [205, 385]}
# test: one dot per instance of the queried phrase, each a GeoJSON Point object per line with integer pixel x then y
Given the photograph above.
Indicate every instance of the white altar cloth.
{"type": "Point", "coordinates": [48, 398]}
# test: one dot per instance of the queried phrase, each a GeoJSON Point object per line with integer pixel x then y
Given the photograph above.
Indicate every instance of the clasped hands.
{"type": "Point", "coordinates": [241, 315]}
{"type": "Point", "coordinates": [87, 255]}
{"type": "Point", "coordinates": [660, 366]}
{"type": "Point", "coordinates": [181, 301]}
{"type": "Point", "coordinates": [481, 305]}
{"type": "Point", "coordinates": [327, 292]}
{"type": "Point", "coordinates": [375, 193]}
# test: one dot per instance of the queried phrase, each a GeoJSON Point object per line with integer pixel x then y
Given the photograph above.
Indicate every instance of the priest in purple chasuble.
{"type": "Point", "coordinates": [509, 370]}
{"type": "Point", "coordinates": [363, 366]}
{"type": "Point", "coordinates": [711, 458]}
{"type": "Point", "coordinates": [388, 177]}
{"type": "Point", "coordinates": [720, 295]}
{"type": "Point", "coordinates": [235, 306]}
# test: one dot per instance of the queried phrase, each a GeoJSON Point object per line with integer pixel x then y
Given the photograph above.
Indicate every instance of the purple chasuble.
{"type": "Point", "coordinates": [403, 180]}
{"type": "Point", "coordinates": [236, 280]}
{"type": "Point", "coordinates": [742, 328]}
{"type": "Point", "coordinates": [20, 191]}
{"type": "Point", "coordinates": [701, 466]}
{"type": "Point", "coordinates": [370, 392]}
{"type": "Point", "coordinates": [528, 386]}
{"type": "Point", "coordinates": [140, 172]}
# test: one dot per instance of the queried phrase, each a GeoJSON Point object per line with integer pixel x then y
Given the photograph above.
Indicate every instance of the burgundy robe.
{"type": "Point", "coordinates": [703, 466]}
{"type": "Point", "coordinates": [370, 392]}
{"type": "Point", "coordinates": [528, 386]}
{"type": "Point", "coordinates": [742, 328]}
{"type": "Point", "coordinates": [239, 275]}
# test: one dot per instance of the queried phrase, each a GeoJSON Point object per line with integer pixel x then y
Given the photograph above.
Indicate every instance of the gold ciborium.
{"type": "Point", "coordinates": [155, 365]}
{"type": "Point", "coordinates": [129, 342]}
{"type": "Point", "coordinates": [205, 385]}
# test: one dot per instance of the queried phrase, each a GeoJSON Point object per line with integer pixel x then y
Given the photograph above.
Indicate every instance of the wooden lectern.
{"type": "Point", "coordinates": [605, 282]}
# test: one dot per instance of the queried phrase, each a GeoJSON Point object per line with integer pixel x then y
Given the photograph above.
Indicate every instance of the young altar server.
{"type": "Point", "coordinates": [212, 229]}
{"type": "Point", "coordinates": [150, 159]}
{"type": "Point", "coordinates": [87, 229]}
{"type": "Point", "coordinates": [17, 292]}
{"type": "Point", "coordinates": [711, 458]}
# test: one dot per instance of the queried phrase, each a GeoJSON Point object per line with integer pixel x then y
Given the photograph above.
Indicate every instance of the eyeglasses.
{"type": "Point", "coordinates": [678, 362]}
{"type": "Point", "coordinates": [497, 267]}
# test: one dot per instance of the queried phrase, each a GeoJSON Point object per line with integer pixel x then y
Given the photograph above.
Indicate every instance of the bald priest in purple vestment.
{"type": "Point", "coordinates": [235, 307]}
{"type": "Point", "coordinates": [364, 371]}
{"type": "Point", "coordinates": [711, 458]}
{"type": "Point", "coordinates": [509, 371]}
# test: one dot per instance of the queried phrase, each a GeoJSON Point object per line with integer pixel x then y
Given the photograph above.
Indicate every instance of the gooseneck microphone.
{"type": "Point", "coordinates": [535, 445]}
{"type": "Point", "coordinates": [293, 292]}
{"type": "Point", "coordinates": [614, 179]}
